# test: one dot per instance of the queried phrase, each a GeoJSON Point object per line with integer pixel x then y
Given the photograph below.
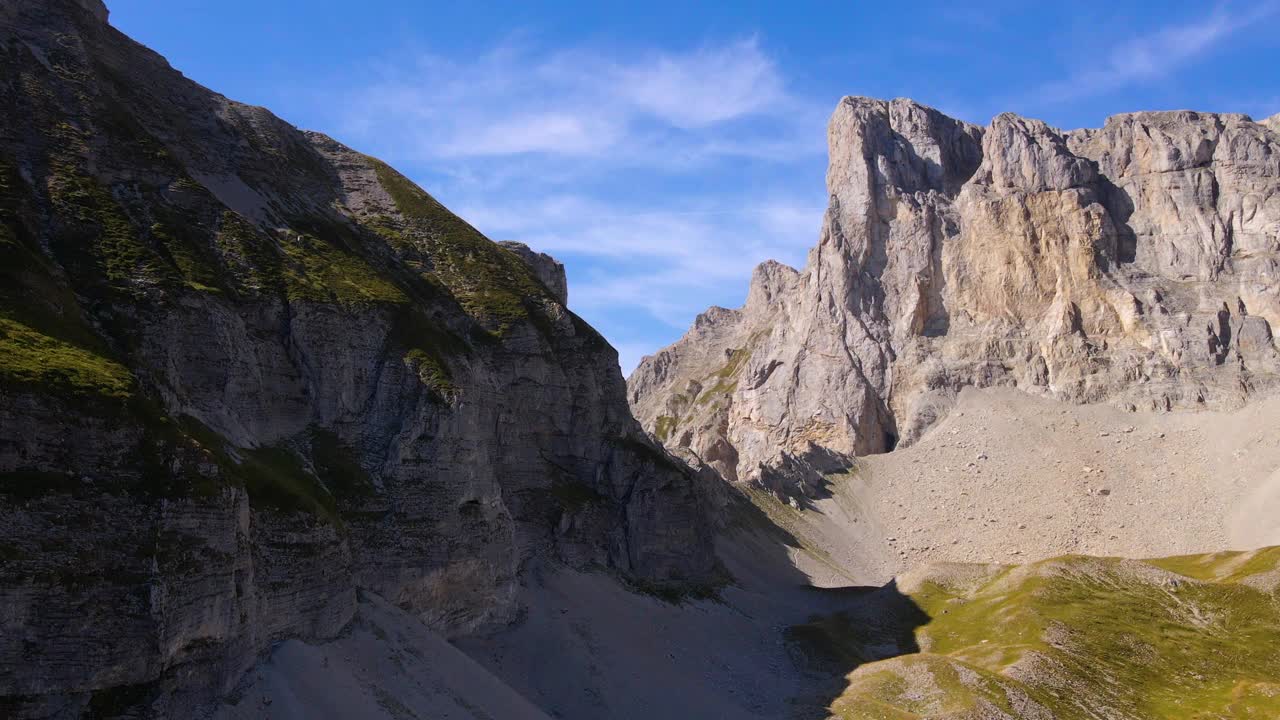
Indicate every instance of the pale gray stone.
{"type": "Point", "coordinates": [1133, 264]}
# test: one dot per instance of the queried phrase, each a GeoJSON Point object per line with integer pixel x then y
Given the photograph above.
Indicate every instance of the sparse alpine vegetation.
{"type": "Point", "coordinates": [31, 359]}
{"type": "Point", "coordinates": [490, 282]}
{"type": "Point", "coordinates": [1077, 638]}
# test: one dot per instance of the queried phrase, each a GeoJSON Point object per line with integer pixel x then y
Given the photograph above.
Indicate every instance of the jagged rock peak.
{"type": "Point", "coordinates": [1134, 263]}
{"type": "Point", "coordinates": [1030, 156]}
{"type": "Point", "coordinates": [97, 7]}
{"type": "Point", "coordinates": [549, 271]}
{"type": "Point", "coordinates": [926, 149]}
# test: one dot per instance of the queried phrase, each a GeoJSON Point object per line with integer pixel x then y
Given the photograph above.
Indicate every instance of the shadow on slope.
{"type": "Point", "coordinates": [875, 624]}
{"type": "Point", "coordinates": [387, 665]}
{"type": "Point", "coordinates": [803, 478]}
{"type": "Point", "coordinates": [589, 647]}
{"type": "Point", "coordinates": [1071, 637]}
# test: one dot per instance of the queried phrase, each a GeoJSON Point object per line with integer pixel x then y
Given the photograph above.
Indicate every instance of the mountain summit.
{"type": "Point", "coordinates": [1134, 264]}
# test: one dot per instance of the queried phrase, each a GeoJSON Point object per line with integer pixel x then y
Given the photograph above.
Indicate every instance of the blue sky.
{"type": "Point", "coordinates": [662, 149]}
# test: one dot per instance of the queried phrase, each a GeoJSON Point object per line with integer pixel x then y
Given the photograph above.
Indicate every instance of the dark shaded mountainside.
{"type": "Point", "coordinates": [246, 371]}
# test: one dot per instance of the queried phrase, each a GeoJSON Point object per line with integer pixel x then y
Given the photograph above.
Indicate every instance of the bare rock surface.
{"type": "Point", "coordinates": [1133, 264]}
{"type": "Point", "coordinates": [548, 270]}
{"type": "Point", "coordinates": [246, 371]}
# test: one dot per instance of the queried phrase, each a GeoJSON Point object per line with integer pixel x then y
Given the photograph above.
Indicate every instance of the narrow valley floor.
{"type": "Point", "coordinates": [894, 594]}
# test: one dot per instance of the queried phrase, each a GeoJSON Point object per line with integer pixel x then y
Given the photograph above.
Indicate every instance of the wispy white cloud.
{"type": "Point", "coordinates": [655, 107]}
{"type": "Point", "coordinates": [706, 87]}
{"type": "Point", "coordinates": [1156, 54]}
{"type": "Point", "coordinates": [629, 166]}
{"type": "Point", "coordinates": [549, 131]}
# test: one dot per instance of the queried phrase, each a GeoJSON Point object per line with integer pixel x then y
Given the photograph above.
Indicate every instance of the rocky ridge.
{"type": "Point", "coordinates": [247, 372]}
{"type": "Point", "coordinates": [1133, 264]}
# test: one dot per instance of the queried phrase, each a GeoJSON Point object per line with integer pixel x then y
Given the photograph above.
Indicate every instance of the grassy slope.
{"type": "Point", "coordinates": [491, 283]}
{"type": "Point", "coordinates": [1077, 637]}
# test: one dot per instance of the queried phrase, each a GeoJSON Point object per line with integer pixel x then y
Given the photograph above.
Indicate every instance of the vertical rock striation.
{"type": "Point", "coordinates": [1134, 264]}
{"type": "Point", "coordinates": [246, 371]}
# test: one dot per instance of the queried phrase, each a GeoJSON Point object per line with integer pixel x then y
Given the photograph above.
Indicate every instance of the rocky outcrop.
{"type": "Point", "coordinates": [1133, 264]}
{"type": "Point", "coordinates": [548, 270]}
{"type": "Point", "coordinates": [246, 372]}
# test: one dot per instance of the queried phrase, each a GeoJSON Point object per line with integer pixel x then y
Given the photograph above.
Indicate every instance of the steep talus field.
{"type": "Point", "coordinates": [1076, 638]}
{"type": "Point", "coordinates": [245, 370]}
{"type": "Point", "coordinates": [1008, 477]}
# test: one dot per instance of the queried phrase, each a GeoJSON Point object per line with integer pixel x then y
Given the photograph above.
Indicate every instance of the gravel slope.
{"type": "Point", "coordinates": [387, 666]}
{"type": "Point", "coordinates": [1008, 477]}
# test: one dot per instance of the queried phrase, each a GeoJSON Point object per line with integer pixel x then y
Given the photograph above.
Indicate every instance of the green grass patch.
{"type": "Point", "coordinates": [259, 261]}
{"type": "Point", "coordinates": [173, 456]}
{"type": "Point", "coordinates": [674, 593]}
{"type": "Point", "coordinates": [431, 371]}
{"type": "Point", "coordinates": [648, 452]}
{"type": "Point", "coordinates": [322, 272]}
{"type": "Point", "coordinates": [426, 346]}
{"type": "Point", "coordinates": [726, 377]}
{"type": "Point", "coordinates": [1203, 644]}
{"type": "Point", "coordinates": [491, 284]}
{"type": "Point", "coordinates": [276, 480]}
{"type": "Point", "coordinates": [831, 640]}
{"type": "Point", "coordinates": [1224, 566]}
{"type": "Point", "coordinates": [723, 386]}
{"type": "Point", "coordinates": [32, 359]}
{"type": "Point", "coordinates": [105, 243]}
{"type": "Point", "coordinates": [737, 359]}
{"type": "Point", "coordinates": [665, 425]}
{"type": "Point", "coordinates": [30, 290]}
{"type": "Point", "coordinates": [927, 686]}
{"type": "Point", "coordinates": [190, 248]}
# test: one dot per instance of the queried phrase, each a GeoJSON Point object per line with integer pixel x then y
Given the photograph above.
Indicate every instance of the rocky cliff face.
{"type": "Point", "coordinates": [548, 270]}
{"type": "Point", "coordinates": [246, 372]}
{"type": "Point", "coordinates": [1135, 264]}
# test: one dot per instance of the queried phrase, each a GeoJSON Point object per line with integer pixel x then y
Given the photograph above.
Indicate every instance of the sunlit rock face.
{"type": "Point", "coordinates": [1133, 264]}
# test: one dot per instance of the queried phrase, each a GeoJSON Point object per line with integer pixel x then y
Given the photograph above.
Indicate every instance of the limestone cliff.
{"type": "Point", "coordinates": [246, 371]}
{"type": "Point", "coordinates": [1134, 264]}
